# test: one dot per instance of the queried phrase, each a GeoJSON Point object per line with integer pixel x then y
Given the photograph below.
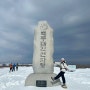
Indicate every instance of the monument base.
{"type": "Point", "coordinates": [41, 80]}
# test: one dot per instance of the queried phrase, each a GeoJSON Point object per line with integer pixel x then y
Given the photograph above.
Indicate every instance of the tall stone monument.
{"type": "Point", "coordinates": [43, 57]}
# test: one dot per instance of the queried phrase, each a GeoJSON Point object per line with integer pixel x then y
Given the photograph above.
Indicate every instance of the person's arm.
{"type": "Point", "coordinates": [66, 67]}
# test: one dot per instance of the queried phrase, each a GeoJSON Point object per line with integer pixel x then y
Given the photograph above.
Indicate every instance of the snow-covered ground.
{"type": "Point", "coordinates": [78, 80]}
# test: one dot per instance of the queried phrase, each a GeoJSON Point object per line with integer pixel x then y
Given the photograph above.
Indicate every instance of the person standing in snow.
{"type": "Point", "coordinates": [63, 68]}
{"type": "Point", "coordinates": [10, 67]}
{"type": "Point", "coordinates": [14, 67]}
{"type": "Point", "coordinates": [17, 67]}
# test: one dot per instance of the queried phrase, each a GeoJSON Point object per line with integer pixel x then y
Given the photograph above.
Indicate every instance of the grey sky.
{"type": "Point", "coordinates": [70, 20]}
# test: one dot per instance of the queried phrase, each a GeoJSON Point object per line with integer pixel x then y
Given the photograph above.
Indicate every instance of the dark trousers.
{"type": "Point", "coordinates": [17, 68]}
{"type": "Point", "coordinates": [61, 74]}
{"type": "Point", "coordinates": [10, 68]}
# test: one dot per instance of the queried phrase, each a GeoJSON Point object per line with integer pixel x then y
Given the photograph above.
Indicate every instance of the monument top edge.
{"type": "Point", "coordinates": [40, 22]}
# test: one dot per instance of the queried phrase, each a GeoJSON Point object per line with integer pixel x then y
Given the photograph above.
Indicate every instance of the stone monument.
{"type": "Point", "coordinates": [43, 66]}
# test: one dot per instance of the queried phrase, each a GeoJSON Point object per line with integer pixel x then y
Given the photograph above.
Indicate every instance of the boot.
{"type": "Point", "coordinates": [52, 78]}
{"type": "Point", "coordinates": [64, 86]}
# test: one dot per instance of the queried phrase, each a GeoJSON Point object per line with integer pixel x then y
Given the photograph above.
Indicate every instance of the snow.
{"type": "Point", "coordinates": [77, 80]}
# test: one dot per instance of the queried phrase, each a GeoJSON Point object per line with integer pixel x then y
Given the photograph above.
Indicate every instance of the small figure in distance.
{"type": "Point", "coordinates": [11, 66]}
{"type": "Point", "coordinates": [63, 68]}
{"type": "Point", "coordinates": [14, 67]}
{"type": "Point", "coordinates": [17, 67]}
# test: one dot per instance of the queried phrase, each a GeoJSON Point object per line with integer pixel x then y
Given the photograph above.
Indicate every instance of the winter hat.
{"type": "Point", "coordinates": [62, 59]}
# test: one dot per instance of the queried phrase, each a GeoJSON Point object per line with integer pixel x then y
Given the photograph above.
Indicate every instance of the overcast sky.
{"type": "Point", "coordinates": [70, 20]}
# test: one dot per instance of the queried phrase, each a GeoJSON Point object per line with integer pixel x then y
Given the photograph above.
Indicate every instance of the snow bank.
{"type": "Point", "coordinates": [78, 80]}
